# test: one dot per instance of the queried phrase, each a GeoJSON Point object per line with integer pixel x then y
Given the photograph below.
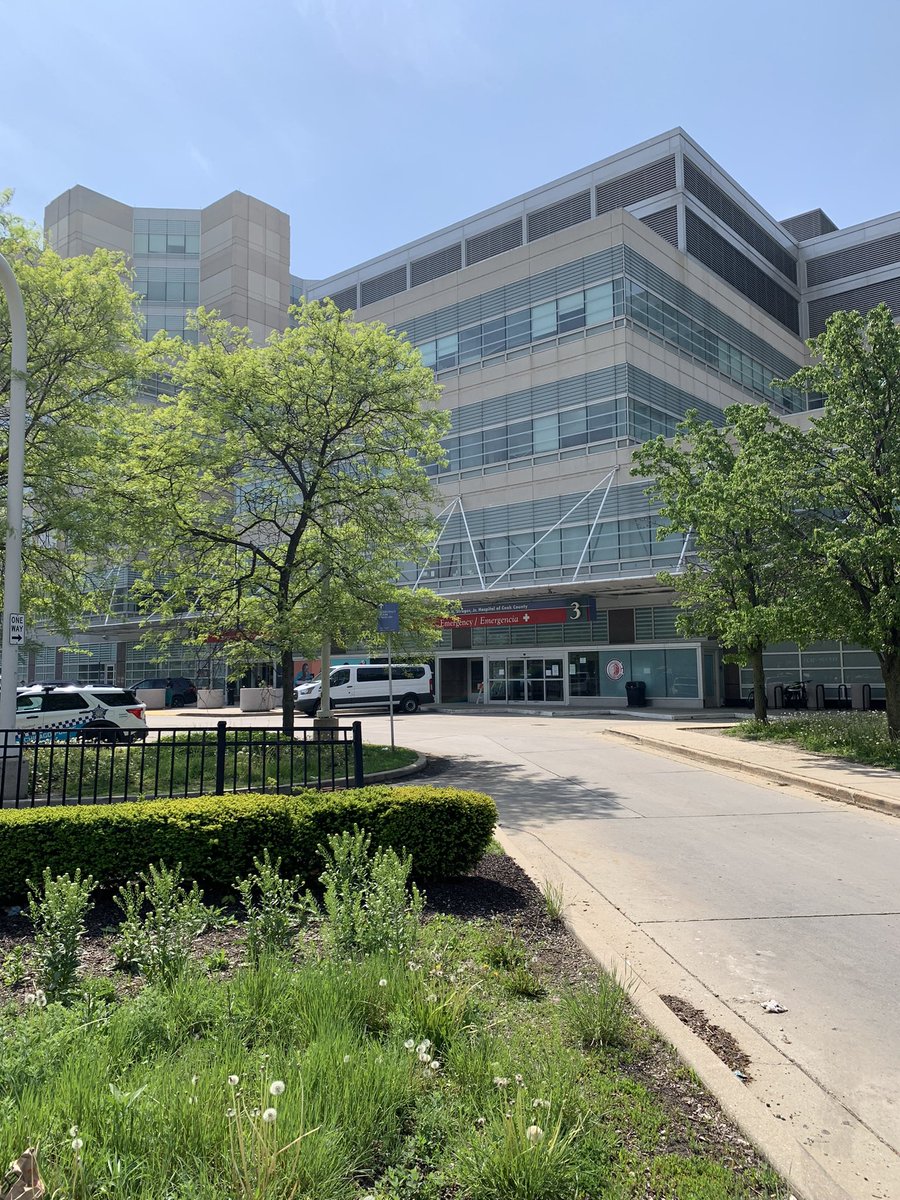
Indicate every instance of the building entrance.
{"type": "Point", "coordinates": [526, 681]}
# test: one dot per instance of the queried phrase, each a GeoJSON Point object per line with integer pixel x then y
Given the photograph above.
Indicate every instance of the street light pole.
{"type": "Point", "coordinates": [15, 488]}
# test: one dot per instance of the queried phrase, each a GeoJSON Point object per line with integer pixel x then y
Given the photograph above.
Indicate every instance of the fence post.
{"type": "Point", "coordinates": [358, 776]}
{"type": "Point", "coordinates": [219, 789]}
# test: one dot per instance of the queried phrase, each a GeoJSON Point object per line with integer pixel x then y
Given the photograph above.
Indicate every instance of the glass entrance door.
{"type": "Point", "coordinates": [526, 681]}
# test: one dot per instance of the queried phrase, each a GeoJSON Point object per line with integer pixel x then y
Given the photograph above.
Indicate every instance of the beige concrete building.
{"type": "Point", "coordinates": [565, 326]}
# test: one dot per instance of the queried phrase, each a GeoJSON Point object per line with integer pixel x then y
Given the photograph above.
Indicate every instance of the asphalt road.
{"type": "Point", "coordinates": [741, 892]}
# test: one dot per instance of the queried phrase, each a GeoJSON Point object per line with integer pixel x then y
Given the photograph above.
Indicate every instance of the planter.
{"type": "Point", "coordinates": [257, 699]}
{"type": "Point", "coordinates": [210, 697]}
{"type": "Point", "coordinates": [152, 697]}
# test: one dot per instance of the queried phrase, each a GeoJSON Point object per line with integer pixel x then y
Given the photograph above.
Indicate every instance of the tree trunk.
{"type": "Point", "coordinates": [287, 693]}
{"type": "Point", "coordinates": [760, 712]}
{"type": "Point", "coordinates": [890, 673]}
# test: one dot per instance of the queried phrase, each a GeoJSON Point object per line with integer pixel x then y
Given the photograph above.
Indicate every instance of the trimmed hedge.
{"type": "Point", "coordinates": [215, 838]}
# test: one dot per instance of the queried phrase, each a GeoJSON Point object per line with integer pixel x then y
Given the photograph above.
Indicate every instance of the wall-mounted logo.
{"type": "Point", "coordinates": [615, 669]}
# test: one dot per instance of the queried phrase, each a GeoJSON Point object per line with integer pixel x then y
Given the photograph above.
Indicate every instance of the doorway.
{"type": "Point", "coordinates": [526, 681]}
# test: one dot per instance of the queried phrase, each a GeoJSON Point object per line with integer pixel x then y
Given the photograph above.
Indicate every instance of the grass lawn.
{"type": "Point", "coordinates": [858, 736]}
{"type": "Point", "coordinates": [488, 1061]}
{"type": "Point", "coordinates": [260, 759]}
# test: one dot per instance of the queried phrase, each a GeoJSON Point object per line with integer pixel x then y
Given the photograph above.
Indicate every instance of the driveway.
{"type": "Point", "coordinates": [727, 893]}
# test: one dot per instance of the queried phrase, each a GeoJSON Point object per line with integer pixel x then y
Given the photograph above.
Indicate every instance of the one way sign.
{"type": "Point", "coordinates": [16, 631]}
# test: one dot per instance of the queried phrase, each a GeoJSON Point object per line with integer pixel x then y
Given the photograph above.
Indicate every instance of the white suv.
{"type": "Point", "coordinates": [55, 713]}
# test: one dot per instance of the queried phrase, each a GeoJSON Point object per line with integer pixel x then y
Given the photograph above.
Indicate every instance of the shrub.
{"type": "Point", "coordinates": [57, 915]}
{"type": "Point", "coordinates": [445, 830]}
{"type": "Point", "coordinates": [598, 1016]}
{"type": "Point", "coordinates": [366, 899]}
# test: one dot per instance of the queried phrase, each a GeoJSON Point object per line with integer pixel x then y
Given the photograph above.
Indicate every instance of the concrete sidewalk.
{"type": "Point", "coordinates": [835, 778]}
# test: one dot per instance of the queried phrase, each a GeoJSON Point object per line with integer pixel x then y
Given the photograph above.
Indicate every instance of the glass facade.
{"type": "Point", "coordinates": [828, 663]}
{"type": "Point", "coordinates": [667, 673]}
{"type": "Point", "coordinates": [166, 236]}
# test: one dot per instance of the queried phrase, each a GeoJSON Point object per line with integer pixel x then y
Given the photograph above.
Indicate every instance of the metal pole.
{"type": "Point", "coordinates": [391, 689]}
{"type": "Point", "coordinates": [324, 713]}
{"type": "Point", "coordinates": [15, 488]}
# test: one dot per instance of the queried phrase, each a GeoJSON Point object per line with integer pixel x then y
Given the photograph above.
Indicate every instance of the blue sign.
{"type": "Point", "coordinates": [389, 618]}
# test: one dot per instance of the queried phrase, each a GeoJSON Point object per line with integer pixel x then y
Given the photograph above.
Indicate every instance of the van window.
{"type": "Point", "coordinates": [340, 677]}
{"type": "Point", "coordinates": [408, 672]}
{"type": "Point", "coordinates": [372, 674]}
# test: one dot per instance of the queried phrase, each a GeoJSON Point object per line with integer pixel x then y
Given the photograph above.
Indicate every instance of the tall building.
{"type": "Point", "coordinates": [565, 326]}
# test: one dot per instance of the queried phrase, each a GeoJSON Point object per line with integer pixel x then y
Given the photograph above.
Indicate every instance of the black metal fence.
{"type": "Point", "coordinates": [39, 768]}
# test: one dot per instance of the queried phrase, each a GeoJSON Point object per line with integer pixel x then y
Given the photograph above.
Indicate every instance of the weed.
{"type": "Point", "coordinates": [554, 899]}
{"type": "Point", "coordinates": [12, 968]}
{"type": "Point", "coordinates": [503, 951]}
{"type": "Point", "coordinates": [858, 736]}
{"type": "Point", "coordinates": [522, 981]}
{"type": "Point", "coordinates": [162, 920]}
{"type": "Point", "coordinates": [57, 915]}
{"type": "Point", "coordinates": [598, 1016]}
{"type": "Point", "coordinates": [216, 960]}
{"type": "Point", "coordinates": [369, 908]}
{"type": "Point", "coordinates": [276, 909]}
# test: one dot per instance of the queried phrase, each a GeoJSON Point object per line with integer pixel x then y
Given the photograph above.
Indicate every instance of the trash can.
{"type": "Point", "coordinates": [636, 693]}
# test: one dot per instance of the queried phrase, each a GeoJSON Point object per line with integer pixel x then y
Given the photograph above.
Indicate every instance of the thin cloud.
{"type": "Point", "coordinates": [397, 36]}
{"type": "Point", "coordinates": [199, 159]}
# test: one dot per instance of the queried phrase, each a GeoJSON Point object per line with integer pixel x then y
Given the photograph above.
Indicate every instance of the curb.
{"type": "Point", "coordinates": [412, 768]}
{"type": "Point", "coordinates": [831, 791]}
{"type": "Point", "coordinates": [807, 1178]}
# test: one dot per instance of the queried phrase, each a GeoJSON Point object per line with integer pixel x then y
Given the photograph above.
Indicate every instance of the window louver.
{"type": "Point", "coordinates": [571, 211]}
{"type": "Point", "coordinates": [708, 247]}
{"type": "Point", "coordinates": [382, 286]}
{"type": "Point", "coordinates": [861, 299]}
{"type": "Point", "coordinates": [642, 184]}
{"type": "Point", "coordinates": [494, 241]}
{"type": "Point", "coordinates": [735, 218]}
{"type": "Point", "coordinates": [346, 298]}
{"type": "Point", "coordinates": [867, 256]}
{"type": "Point", "coordinates": [433, 266]}
{"type": "Point", "coordinates": [664, 223]}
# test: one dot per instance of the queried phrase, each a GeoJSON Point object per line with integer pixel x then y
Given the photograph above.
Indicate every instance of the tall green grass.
{"type": "Point", "coordinates": [858, 736]}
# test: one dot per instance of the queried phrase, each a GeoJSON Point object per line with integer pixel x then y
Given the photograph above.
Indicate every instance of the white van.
{"type": "Point", "coordinates": [360, 685]}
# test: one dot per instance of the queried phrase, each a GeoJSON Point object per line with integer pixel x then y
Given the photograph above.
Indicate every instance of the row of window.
{"type": "Point", "coordinates": [674, 326]}
{"type": "Point", "coordinates": [161, 285]}
{"type": "Point", "coordinates": [173, 324]}
{"type": "Point", "coordinates": [603, 421]}
{"type": "Point", "coordinates": [611, 541]}
{"type": "Point", "coordinates": [167, 237]}
{"type": "Point", "coordinates": [597, 306]}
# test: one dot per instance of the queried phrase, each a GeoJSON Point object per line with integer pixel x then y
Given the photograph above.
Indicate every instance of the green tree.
{"type": "Point", "coordinates": [286, 486]}
{"type": "Point", "coordinates": [853, 492]}
{"type": "Point", "coordinates": [86, 356]}
{"type": "Point", "coordinates": [733, 490]}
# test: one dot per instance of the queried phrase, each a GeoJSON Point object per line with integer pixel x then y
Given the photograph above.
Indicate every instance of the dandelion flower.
{"type": "Point", "coordinates": [230, 1113]}
{"type": "Point", "coordinates": [194, 1079]}
{"type": "Point", "coordinates": [234, 1080]}
{"type": "Point", "coordinates": [346, 1058]}
{"type": "Point", "coordinates": [382, 983]}
{"type": "Point", "coordinates": [77, 1143]}
{"type": "Point", "coordinates": [538, 1103]}
{"type": "Point", "coordinates": [534, 1133]}
{"type": "Point", "coordinates": [479, 1120]}
{"type": "Point", "coordinates": [192, 1099]}
{"type": "Point", "coordinates": [431, 998]}
{"type": "Point", "coordinates": [269, 1115]}
{"type": "Point", "coordinates": [409, 1044]}
{"type": "Point", "coordinates": [73, 1132]}
{"type": "Point", "coordinates": [435, 1064]}
{"type": "Point", "coordinates": [519, 1080]}
{"type": "Point", "coordinates": [276, 1088]}
{"type": "Point", "coordinates": [501, 1081]}
{"type": "Point", "coordinates": [424, 1056]}
{"type": "Point", "coordinates": [423, 1045]}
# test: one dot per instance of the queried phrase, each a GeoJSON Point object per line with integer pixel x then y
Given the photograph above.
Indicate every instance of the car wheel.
{"type": "Point", "coordinates": [178, 701]}
{"type": "Point", "coordinates": [102, 731]}
{"type": "Point", "coordinates": [409, 704]}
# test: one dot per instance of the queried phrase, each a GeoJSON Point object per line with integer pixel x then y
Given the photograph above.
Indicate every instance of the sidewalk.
{"type": "Point", "coordinates": [835, 778]}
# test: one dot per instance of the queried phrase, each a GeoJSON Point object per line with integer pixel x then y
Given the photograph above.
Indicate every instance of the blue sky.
{"type": "Point", "coordinates": [372, 122]}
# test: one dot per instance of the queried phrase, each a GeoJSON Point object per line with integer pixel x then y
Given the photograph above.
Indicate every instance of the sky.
{"type": "Point", "coordinates": [374, 122]}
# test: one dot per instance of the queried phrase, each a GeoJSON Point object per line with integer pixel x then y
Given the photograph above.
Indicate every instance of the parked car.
{"type": "Point", "coordinates": [359, 685]}
{"type": "Point", "coordinates": [45, 712]}
{"type": "Point", "coordinates": [179, 691]}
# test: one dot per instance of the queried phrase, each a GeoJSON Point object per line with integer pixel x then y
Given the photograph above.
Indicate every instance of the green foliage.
{"type": "Point", "coordinates": [324, 434]}
{"type": "Point", "coordinates": [370, 910]}
{"type": "Point", "coordinates": [86, 355]}
{"type": "Point", "coordinates": [57, 913]}
{"type": "Point", "coordinates": [735, 491]}
{"type": "Point", "coordinates": [275, 909]}
{"type": "Point", "coordinates": [598, 1016]}
{"type": "Point", "coordinates": [858, 736]}
{"type": "Point", "coordinates": [162, 920]}
{"type": "Point", "coordinates": [445, 830]}
{"type": "Point", "coordinates": [12, 967]}
{"type": "Point", "coordinates": [554, 895]}
{"type": "Point", "coordinates": [852, 482]}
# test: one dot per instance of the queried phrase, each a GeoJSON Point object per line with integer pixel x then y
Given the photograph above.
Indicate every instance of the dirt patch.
{"type": "Point", "coordinates": [719, 1040]}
